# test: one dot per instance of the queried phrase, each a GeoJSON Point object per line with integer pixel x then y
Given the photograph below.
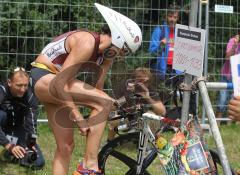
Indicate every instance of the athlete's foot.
{"type": "Point", "coordinates": [84, 171]}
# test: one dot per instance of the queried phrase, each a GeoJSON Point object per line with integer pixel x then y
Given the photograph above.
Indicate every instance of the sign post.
{"type": "Point", "coordinates": [189, 35]}
{"type": "Point", "coordinates": [188, 77]}
{"type": "Point", "coordinates": [189, 50]}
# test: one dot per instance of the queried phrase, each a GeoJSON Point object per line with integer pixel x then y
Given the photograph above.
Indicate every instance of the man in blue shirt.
{"type": "Point", "coordinates": [162, 43]}
{"type": "Point", "coordinates": [162, 49]}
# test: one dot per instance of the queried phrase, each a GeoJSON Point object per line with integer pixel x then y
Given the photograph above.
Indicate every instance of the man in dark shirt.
{"type": "Point", "coordinates": [18, 118]}
{"type": "Point", "coordinates": [141, 84]}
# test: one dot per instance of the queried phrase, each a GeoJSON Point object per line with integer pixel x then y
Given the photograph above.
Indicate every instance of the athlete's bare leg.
{"type": "Point", "coordinates": [97, 124]}
{"type": "Point", "coordinates": [64, 141]}
{"type": "Point", "coordinates": [83, 94]}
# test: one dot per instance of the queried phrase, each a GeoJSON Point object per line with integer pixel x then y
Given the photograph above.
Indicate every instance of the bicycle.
{"type": "Point", "coordinates": [142, 146]}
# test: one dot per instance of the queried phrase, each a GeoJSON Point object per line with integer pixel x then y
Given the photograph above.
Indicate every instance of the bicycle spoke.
{"type": "Point", "coordinates": [122, 152]}
{"type": "Point", "coordinates": [124, 158]}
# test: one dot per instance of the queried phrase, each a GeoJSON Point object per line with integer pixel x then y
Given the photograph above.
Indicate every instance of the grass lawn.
{"type": "Point", "coordinates": [230, 136]}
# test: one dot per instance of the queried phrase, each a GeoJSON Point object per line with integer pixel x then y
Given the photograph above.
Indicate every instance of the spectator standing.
{"type": "Point", "coordinates": [162, 43]}
{"type": "Point", "coordinates": [233, 48]}
{"type": "Point", "coordinates": [162, 49]}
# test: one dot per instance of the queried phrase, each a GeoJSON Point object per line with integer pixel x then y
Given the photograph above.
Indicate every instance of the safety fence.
{"type": "Point", "coordinates": [26, 26]}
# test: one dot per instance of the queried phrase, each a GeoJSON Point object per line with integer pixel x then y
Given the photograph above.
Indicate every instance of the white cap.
{"type": "Point", "coordinates": [123, 29]}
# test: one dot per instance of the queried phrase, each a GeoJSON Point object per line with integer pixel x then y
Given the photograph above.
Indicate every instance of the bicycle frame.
{"type": "Point", "coordinates": [145, 136]}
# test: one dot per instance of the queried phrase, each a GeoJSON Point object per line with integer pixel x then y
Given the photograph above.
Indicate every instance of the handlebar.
{"type": "Point", "coordinates": [172, 122]}
{"type": "Point", "coordinates": [151, 116]}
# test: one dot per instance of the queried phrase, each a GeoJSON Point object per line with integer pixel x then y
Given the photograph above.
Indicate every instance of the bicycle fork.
{"type": "Point", "coordinates": [144, 137]}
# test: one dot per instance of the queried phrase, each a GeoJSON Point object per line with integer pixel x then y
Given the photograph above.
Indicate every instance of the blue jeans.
{"type": "Point", "coordinates": [224, 96]}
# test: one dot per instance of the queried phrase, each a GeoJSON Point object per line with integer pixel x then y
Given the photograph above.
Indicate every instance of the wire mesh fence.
{"type": "Point", "coordinates": [27, 26]}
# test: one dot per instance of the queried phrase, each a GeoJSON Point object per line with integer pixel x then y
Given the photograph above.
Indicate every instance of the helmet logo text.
{"type": "Point", "coordinates": [129, 29]}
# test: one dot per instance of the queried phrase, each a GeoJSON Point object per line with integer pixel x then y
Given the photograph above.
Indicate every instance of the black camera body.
{"type": "Point", "coordinates": [29, 158]}
{"type": "Point", "coordinates": [31, 155]}
{"type": "Point", "coordinates": [138, 88]}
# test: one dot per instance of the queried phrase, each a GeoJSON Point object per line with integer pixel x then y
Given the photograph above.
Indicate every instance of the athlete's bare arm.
{"type": "Point", "coordinates": [106, 65]}
{"type": "Point", "coordinates": [80, 48]}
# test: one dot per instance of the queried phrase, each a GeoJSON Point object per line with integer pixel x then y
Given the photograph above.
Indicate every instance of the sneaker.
{"type": "Point", "coordinates": [81, 171]}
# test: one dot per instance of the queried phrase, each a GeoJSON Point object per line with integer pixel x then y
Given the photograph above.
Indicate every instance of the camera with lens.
{"type": "Point", "coordinates": [138, 88]}
{"type": "Point", "coordinates": [31, 155]}
{"type": "Point", "coordinates": [134, 86]}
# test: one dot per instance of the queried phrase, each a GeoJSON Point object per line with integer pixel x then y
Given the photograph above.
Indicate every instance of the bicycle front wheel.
{"type": "Point", "coordinates": [119, 156]}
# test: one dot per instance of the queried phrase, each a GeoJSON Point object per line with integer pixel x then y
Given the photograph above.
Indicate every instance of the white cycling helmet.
{"type": "Point", "coordinates": [124, 31]}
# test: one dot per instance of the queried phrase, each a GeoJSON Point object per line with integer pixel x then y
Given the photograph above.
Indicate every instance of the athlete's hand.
{"type": "Point", "coordinates": [82, 125]}
{"type": "Point", "coordinates": [84, 131]}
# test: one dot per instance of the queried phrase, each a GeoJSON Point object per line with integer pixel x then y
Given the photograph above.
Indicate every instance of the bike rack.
{"type": "Point", "coordinates": [214, 127]}
{"type": "Point", "coordinates": [200, 81]}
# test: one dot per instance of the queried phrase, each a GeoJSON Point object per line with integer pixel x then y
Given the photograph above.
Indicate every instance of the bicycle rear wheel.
{"type": "Point", "coordinates": [119, 156]}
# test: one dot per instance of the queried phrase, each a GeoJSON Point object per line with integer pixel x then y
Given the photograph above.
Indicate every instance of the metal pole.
{"type": "Point", "coordinates": [214, 128]}
{"type": "Point", "coordinates": [42, 120]}
{"type": "Point", "coordinates": [188, 77]}
{"type": "Point", "coordinates": [205, 70]}
{"type": "Point", "coordinates": [219, 86]}
{"type": "Point", "coordinates": [199, 26]}
{"type": "Point", "coordinates": [206, 102]}
{"type": "Point", "coordinates": [200, 15]}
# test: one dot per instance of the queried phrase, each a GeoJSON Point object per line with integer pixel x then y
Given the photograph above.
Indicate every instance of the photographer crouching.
{"type": "Point", "coordinates": [18, 121]}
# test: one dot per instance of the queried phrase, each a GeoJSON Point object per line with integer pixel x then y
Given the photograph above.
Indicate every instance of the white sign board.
{"type": "Point", "coordinates": [189, 49]}
{"type": "Point", "coordinates": [223, 9]}
{"type": "Point", "coordinates": [235, 68]}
